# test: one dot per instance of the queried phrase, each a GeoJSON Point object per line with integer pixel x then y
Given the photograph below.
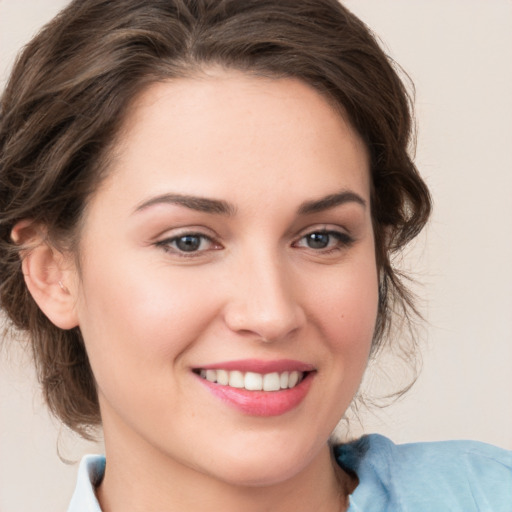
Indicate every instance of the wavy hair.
{"type": "Point", "coordinates": [73, 83]}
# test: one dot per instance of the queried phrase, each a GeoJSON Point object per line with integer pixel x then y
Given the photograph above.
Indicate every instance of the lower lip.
{"type": "Point", "coordinates": [261, 403]}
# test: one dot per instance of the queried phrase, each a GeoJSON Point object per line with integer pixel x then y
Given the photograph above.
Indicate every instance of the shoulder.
{"type": "Point", "coordinates": [450, 475]}
{"type": "Point", "coordinates": [90, 473]}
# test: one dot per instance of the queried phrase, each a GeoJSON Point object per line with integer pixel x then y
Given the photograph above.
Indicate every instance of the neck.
{"type": "Point", "coordinates": [144, 479]}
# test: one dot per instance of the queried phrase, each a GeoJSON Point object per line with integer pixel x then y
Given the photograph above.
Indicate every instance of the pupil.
{"type": "Point", "coordinates": [318, 240]}
{"type": "Point", "coordinates": [188, 243]}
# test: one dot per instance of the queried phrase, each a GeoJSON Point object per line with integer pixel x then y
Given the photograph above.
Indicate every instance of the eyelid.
{"type": "Point", "coordinates": [323, 228]}
{"type": "Point", "coordinates": [175, 232]}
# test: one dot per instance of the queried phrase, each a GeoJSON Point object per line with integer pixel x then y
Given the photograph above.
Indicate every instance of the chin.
{"type": "Point", "coordinates": [264, 466]}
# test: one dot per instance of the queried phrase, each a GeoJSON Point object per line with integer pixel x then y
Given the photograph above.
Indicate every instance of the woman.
{"type": "Point", "coordinates": [200, 201]}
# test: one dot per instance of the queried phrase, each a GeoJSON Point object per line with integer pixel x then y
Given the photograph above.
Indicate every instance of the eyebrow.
{"type": "Point", "coordinates": [330, 201]}
{"type": "Point", "coordinates": [220, 207]}
{"type": "Point", "coordinates": [200, 204]}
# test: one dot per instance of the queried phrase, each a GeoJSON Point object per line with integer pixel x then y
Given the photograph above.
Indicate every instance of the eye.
{"type": "Point", "coordinates": [324, 240]}
{"type": "Point", "coordinates": [188, 244]}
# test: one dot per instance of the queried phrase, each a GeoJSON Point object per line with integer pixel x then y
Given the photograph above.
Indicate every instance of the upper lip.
{"type": "Point", "coordinates": [260, 366]}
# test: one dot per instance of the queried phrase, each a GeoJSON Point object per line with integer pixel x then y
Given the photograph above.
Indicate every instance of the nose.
{"type": "Point", "coordinates": [264, 301]}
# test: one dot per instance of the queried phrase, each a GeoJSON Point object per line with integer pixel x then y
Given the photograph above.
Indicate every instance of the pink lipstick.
{"type": "Point", "coordinates": [257, 387]}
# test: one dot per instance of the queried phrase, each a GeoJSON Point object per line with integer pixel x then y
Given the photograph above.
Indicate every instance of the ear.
{"type": "Point", "coordinates": [49, 274]}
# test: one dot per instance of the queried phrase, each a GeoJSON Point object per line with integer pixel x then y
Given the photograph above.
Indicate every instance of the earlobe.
{"type": "Point", "coordinates": [47, 275]}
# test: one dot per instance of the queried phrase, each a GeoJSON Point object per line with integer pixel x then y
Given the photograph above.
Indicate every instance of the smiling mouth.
{"type": "Point", "coordinates": [252, 381]}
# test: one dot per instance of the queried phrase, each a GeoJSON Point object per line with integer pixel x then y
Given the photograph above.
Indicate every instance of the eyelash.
{"type": "Point", "coordinates": [343, 240]}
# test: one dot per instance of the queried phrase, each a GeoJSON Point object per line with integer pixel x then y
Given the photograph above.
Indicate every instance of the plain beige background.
{"type": "Point", "coordinates": [459, 54]}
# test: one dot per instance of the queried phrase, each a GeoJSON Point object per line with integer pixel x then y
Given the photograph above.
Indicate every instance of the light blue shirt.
{"type": "Point", "coordinates": [450, 476]}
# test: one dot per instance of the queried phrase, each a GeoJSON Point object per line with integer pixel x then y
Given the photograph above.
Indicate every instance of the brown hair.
{"type": "Point", "coordinates": [73, 83]}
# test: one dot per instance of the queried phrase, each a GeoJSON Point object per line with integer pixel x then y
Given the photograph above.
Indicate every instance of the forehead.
{"type": "Point", "coordinates": [226, 131]}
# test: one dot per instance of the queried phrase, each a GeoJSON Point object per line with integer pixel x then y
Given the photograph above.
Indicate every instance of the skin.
{"type": "Point", "coordinates": [254, 289]}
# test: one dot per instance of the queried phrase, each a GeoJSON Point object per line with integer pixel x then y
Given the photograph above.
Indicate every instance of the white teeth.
{"type": "Point", "coordinates": [236, 379]}
{"type": "Point", "coordinates": [253, 381]}
{"type": "Point", "coordinates": [271, 382]}
{"type": "Point", "coordinates": [211, 375]}
{"type": "Point", "coordinates": [293, 379]}
{"type": "Point", "coordinates": [222, 377]}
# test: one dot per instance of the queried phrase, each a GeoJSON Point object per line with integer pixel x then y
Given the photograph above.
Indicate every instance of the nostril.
{"type": "Point", "coordinates": [259, 323]}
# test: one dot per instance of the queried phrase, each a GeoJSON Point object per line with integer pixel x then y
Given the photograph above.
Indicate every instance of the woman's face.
{"type": "Point", "coordinates": [228, 287]}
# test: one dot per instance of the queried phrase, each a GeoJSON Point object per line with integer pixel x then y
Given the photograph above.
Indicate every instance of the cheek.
{"type": "Point", "coordinates": [346, 308]}
{"type": "Point", "coordinates": [130, 318]}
